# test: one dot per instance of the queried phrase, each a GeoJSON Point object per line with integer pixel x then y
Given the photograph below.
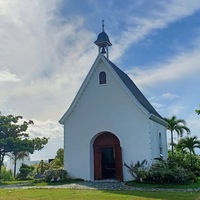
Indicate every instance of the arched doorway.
{"type": "Point", "coordinates": [107, 157]}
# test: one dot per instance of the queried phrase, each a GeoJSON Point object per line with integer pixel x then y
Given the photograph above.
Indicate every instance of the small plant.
{"type": "Point", "coordinates": [138, 170]}
{"type": "Point", "coordinates": [55, 175]}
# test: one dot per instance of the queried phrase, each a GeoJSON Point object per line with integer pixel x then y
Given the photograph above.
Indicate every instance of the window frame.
{"type": "Point", "coordinates": [102, 78]}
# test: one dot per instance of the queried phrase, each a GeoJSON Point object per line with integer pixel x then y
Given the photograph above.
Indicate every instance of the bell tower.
{"type": "Point", "coordinates": [103, 42]}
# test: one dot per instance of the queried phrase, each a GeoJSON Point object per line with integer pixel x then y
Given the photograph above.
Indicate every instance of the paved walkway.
{"type": "Point", "coordinates": [98, 186]}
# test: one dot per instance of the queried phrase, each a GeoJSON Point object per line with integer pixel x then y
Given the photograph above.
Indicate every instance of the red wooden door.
{"type": "Point", "coordinates": [97, 164]}
{"type": "Point", "coordinates": [107, 139]}
{"type": "Point", "coordinates": [118, 164]}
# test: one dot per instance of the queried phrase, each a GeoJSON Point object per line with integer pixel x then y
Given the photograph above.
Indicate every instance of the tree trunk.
{"type": "Point", "coordinates": [191, 159]}
{"type": "Point", "coordinates": [172, 143]}
{"type": "Point", "coordinates": [15, 166]}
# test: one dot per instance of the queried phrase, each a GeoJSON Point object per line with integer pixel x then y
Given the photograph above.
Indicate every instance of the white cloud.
{"type": "Point", "coordinates": [6, 76]}
{"type": "Point", "coordinates": [50, 129]}
{"type": "Point", "coordinates": [52, 55]}
{"type": "Point", "coordinates": [170, 96]}
{"type": "Point", "coordinates": [176, 68]}
{"type": "Point", "coordinates": [159, 107]}
{"type": "Point", "coordinates": [47, 57]}
{"type": "Point", "coordinates": [175, 109]}
{"type": "Point", "coordinates": [159, 16]}
{"type": "Point", "coordinates": [194, 125]}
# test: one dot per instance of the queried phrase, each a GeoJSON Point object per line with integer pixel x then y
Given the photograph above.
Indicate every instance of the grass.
{"type": "Point", "coordinates": [38, 183]}
{"type": "Point", "coordinates": [61, 194]}
{"type": "Point", "coordinates": [14, 182]}
{"type": "Point", "coordinates": [55, 193]}
{"type": "Point", "coordinates": [183, 186]}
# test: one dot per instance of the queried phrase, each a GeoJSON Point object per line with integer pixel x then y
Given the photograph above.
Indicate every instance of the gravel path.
{"type": "Point", "coordinates": [99, 186]}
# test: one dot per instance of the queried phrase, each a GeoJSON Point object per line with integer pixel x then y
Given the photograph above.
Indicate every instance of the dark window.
{"type": "Point", "coordinates": [160, 145]}
{"type": "Point", "coordinates": [102, 78]}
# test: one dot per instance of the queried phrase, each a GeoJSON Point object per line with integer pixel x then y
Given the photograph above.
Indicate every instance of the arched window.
{"type": "Point", "coordinates": [102, 78]}
{"type": "Point", "coordinates": [160, 145]}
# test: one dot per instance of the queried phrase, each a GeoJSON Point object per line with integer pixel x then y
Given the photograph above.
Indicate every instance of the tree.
{"type": "Point", "coordinates": [24, 171]}
{"type": "Point", "coordinates": [190, 143]}
{"type": "Point", "coordinates": [59, 159]}
{"type": "Point", "coordinates": [177, 125]}
{"type": "Point", "coordinates": [15, 139]}
{"type": "Point", "coordinates": [17, 156]}
{"type": "Point", "coordinates": [198, 111]}
{"type": "Point", "coordinates": [42, 166]}
{"type": "Point", "coordinates": [60, 156]}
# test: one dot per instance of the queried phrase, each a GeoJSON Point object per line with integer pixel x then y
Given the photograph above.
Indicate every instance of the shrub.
{"type": "Point", "coordinates": [162, 172]}
{"type": "Point", "coordinates": [138, 170]}
{"type": "Point", "coordinates": [58, 175]}
{"type": "Point", "coordinates": [42, 166]}
{"type": "Point", "coordinates": [24, 171]}
{"type": "Point", "coordinates": [6, 174]}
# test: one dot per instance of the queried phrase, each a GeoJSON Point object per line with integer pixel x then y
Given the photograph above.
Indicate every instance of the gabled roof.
{"type": "Point", "coordinates": [130, 86]}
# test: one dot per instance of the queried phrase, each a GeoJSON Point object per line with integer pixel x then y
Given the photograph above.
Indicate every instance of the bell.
{"type": "Point", "coordinates": [103, 50]}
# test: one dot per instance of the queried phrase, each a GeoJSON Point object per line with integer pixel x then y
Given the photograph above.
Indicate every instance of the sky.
{"type": "Point", "coordinates": [47, 48]}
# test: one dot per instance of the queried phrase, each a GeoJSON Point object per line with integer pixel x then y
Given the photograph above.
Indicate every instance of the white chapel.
{"type": "Point", "coordinates": [109, 123]}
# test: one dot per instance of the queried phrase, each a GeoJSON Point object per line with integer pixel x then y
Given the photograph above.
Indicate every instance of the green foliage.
{"type": "Point", "coordinates": [138, 170]}
{"type": "Point", "coordinates": [168, 172]}
{"type": "Point", "coordinates": [198, 111]}
{"type": "Point", "coordinates": [165, 172]}
{"type": "Point", "coordinates": [178, 126]}
{"type": "Point", "coordinates": [42, 166]}
{"type": "Point", "coordinates": [189, 144]}
{"type": "Point", "coordinates": [15, 139]}
{"type": "Point", "coordinates": [17, 156]}
{"type": "Point", "coordinates": [58, 175]}
{"type": "Point", "coordinates": [24, 171]}
{"type": "Point", "coordinates": [6, 174]}
{"type": "Point", "coordinates": [58, 162]}
{"type": "Point", "coordinates": [184, 159]}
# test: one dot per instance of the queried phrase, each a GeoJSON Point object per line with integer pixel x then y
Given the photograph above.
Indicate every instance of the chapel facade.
{"type": "Point", "coordinates": [109, 123]}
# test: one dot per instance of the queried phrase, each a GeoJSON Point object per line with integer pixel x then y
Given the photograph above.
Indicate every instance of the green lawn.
{"type": "Point", "coordinates": [42, 183]}
{"type": "Point", "coordinates": [44, 193]}
{"type": "Point", "coordinates": [178, 186]}
{"type": "Point", "coordinates": [61, 194]}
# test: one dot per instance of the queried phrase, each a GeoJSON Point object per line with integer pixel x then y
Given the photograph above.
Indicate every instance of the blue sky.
{"type": "Point", "coordinates": [47, 49]}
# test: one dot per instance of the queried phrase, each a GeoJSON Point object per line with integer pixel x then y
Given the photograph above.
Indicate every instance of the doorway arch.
{"type": "Point", "coordinates": [107, 157]}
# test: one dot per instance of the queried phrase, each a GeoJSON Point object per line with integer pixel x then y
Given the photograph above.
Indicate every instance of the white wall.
{"type": "Point", "coordinates": [155, 143]}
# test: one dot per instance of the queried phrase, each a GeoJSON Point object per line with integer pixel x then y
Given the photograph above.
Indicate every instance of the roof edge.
{"type": "Point", "coordinates": [158, 120]}
{"type": "Point", "coordinates": [80, 91]}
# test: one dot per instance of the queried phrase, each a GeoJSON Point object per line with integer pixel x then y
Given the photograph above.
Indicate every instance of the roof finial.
{"type": "Point", "coordinates": [103, 25]}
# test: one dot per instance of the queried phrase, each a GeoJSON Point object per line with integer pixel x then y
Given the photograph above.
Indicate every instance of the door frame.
{"type": "Point", "coordinates": [107, 139]}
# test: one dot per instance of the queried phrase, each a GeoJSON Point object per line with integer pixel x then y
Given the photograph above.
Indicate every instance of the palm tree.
{"type": "Point", "coordinates": [177, 125]}
{"type": "Point", "coordinates": [190, 143]}
{"type": "Point", "coordinates": [17, 156]}
{"type": "Point", "coordinates": [198, 111]}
